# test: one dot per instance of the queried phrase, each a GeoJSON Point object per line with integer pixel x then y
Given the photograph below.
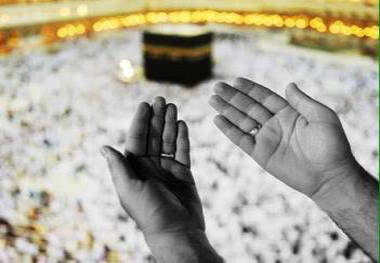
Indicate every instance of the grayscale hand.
{"type": "Point", "coordinates": [155, 184]}
{"type": "Point", "coordinates": [302, 143]}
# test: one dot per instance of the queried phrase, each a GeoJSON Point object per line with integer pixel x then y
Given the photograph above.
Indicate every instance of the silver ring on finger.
{"type": "Point", "coordinates": [167, 155]}
{"type": "Point", "coordinates": [255, 130]}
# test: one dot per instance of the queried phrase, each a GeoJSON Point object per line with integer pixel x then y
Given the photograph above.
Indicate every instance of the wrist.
{"type": "Point", "coordinates": [352, 203]}
{"type": "Point", "coordinates": [339, 191]}
{"type": "Point", "coordinates": [190, 246]}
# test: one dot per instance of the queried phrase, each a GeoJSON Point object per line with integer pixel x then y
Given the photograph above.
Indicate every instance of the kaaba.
{"type": "Point", "coordinates": [178, 53]}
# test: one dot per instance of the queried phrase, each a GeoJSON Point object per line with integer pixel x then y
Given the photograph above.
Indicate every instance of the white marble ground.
{"type": "Point", "coordinates": [56, 110]}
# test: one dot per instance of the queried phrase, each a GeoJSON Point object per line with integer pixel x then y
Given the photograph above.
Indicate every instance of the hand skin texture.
{"type": "Point", "coordinates": [159, 193]}
{"type": "Point", "coordinates": [302, 143]}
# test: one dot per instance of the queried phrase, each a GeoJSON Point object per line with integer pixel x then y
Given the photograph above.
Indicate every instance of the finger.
{"type": "Point", "coordinates": [169, 134]}
{"type": "Point", "coordinates": [157, 121]}
{"type": "Point", "coordinates": [183, 145]}
{"type": "Point", "coordinates": [237, 117]}
{"type": "Point", "coordinates": [243, 102]}
{"type": "Point", "coordinates": [270, 100]}
{"type": "Point", "coordinates": [123, 175]}
{"type": "Point", "coordinates": [311, 109]}
{"type": "Point", "coordinates": [137, 135]}
{"type": "Point", "coordinates": [237, 136]}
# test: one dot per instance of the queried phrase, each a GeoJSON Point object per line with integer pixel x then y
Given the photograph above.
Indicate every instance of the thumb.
{"type": "Point", "coordinates": [123, 175]}
{"type": "Point", "coordinates": [304, 104]}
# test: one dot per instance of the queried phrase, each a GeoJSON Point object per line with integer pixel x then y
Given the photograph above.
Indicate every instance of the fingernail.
{"type": "Point", "coordinates": [239, 81]}
{"type": "Point", "coordinates": [218, 87]}
{"type": "Point", "coordinates": [144, 104]}
{"type": "Point", "coordinates": [104, 151]}
{"type": "Point", "coordinates": [170, 105]}
{"type": "Point", "coordinates": [160, 100]}
{"type": "Point", "coordinates": [217, 119]}
{"type": "Point", "coordinates": [210, 99]}
{"type": "Point", "coordinates": [293, 85]}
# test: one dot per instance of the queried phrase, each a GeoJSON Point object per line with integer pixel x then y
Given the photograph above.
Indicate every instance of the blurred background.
{"type": "Point", "coordinates": [73, 72]}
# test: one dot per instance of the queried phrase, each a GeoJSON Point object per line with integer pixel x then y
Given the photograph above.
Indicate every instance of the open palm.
{"type": "Point", "coordinates": [153, 178]}
{"type": "Point", "coordinates": [301, 141]}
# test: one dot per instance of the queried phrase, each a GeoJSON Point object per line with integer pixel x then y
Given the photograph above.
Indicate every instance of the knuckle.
{"type": "Point", "coordinates": [169, 138]}
{"type": "Point", "coordinates": [154, 136]}
{"type": "Point", "coordinates": [156, 122]}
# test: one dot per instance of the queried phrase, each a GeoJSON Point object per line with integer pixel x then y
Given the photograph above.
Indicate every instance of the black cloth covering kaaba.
{"type": "Point", "coordinates": [178, 58]}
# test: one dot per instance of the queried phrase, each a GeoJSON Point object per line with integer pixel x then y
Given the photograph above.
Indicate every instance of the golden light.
{"type": "Point", "coordinates": [368, 31]}
{"type": "Point", "coordinates": [229, 18]}
{"type": "Point", "coordinates": [289, 22]}
{"type": "Point", "coordinates": [97, 27]}
{"type": "Point", "coordinates": [65, 11]}
{"type": "Point", "coordinates": [235, 18]}
{"type": "Point", "coordinates": [185, 16]}
{"type": "Point", "coordinates": [211, 16]}
{"type": "Point", "coordinates": [71, 30]}
{"type": "Point", "coordinates": [138, 19]}
{"type": "Point", "coordinates": [346, 30]}
{"type": "Point", "coordinates": [249, 19]}
{"type": "Point", "coordinates": [4, 18]}
{"type": "Point", "coordinates": [321, 28]}
{"type": "Point", "coordinates": [82, 10]}
{"type": "Point", "coordinates": [277, 20]}
{"type": "Point", "coordinates": [132, 20]}
{"type": "Point", "coordinates": [354, 29]}
{"type": "Point", "coordinates": [126, 72]}
{"type": "Point", "coordinates": [375, 32]}
{"type": "Point", "coordinates": [197, 16]}
{"type": "Point", "coordinates": [260, 20]}
{"type": "Point", "coordinates": [334, 29]}
{"type": "Point", "coordinates": [220, 17]}
{"type": "Point", "coordinates": [301, 23]}
{"type": "Point", "coordinates": [173, 17]}
{"type": "Point", "coordinates": [80, 29]}
{"type": "Point", "coordinates": [359, 33]}
{"type": "Point", "coordinates": [125, 64]}
{"type": "Point", "coordinates": [268, 21]}
{"type": "Point", "coordinates": [151, 17]}
{"type": "Point", "coordinates": [162, 17]}
{"type": "Point", "coordinates": [61, 32]}
{"type": "Point", "coordinates": [339, 23]}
